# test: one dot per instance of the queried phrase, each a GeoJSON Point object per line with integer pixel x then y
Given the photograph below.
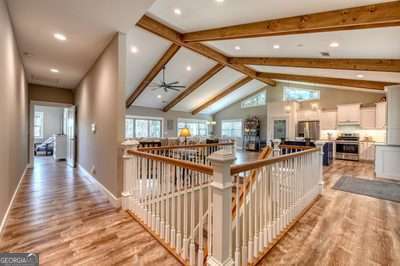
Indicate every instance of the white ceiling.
{"type": "Point", "coordinates": [333, 73]}
{"type": "Point", "coordinates": [175, 70]}
{"type": "Point", "coordinates": [233, 97]}
{"type": "Point", "coordinates": [367, 43]}
{"type": "Point", "coordinates": [88, 24]}
{"type": "Point", "coordinates": [206, 14]}
{"type": "Point", "coordinates": [215, 85]}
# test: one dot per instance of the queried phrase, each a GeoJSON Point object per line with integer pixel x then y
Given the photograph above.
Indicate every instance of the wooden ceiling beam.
{"type": "Point", "coordinates": [214, 70]}
{"type": "Point", "coordinates": [172, 50]}
{"type": "Point", "coordinates": [370, 16]}
{"type": "Point", "coordinates": [221, 95]}
{"type": "Point", "coordinates": [355, 83]}
{"type": "Point", "coordinates": [383, 65]}
{"type": "Point", "coordinates": [165, 32]}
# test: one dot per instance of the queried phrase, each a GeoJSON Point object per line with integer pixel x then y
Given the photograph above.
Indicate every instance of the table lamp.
{"type": "Point", "coordinates": [185, 132]}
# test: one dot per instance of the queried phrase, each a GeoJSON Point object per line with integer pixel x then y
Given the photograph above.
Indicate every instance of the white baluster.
{"type": "Point", "coordinates": [237, 220]}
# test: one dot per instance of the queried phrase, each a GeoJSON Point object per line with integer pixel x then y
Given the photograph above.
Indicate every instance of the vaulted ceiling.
{"type": "Point", "coordinates": [262, 42]}
{"type": "Point", "coordinates": [369, 53]}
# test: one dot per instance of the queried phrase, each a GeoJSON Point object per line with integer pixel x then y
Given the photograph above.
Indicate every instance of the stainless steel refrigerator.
{"type": "Point", "coordinates": [308, 129]}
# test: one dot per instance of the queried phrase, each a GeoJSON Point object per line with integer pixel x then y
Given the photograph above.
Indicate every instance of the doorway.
{"type": "Point", "coordinates": [52, 133]}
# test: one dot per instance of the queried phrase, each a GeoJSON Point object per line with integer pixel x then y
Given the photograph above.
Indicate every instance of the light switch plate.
{"type": "Point", "coordinates": [93, 128]}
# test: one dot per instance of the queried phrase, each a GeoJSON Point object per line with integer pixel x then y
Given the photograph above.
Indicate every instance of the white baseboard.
{"type": "Point", "coordinates": [115, 201]}
{"type": "Point", "coordinates": [5, 218]}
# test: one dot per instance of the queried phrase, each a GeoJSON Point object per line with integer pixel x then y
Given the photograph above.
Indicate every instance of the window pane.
{"type": "Point", "coordinates": [255, 100]}
{"type": "Point", "coordinates": [38, 125]}
{"type": "Point", "coordinates": [141, 128]}
{"type": "Point", "coordinates": [37, 132]}
{"type": "Point", "coordinates": [232, 129]}
{"type": "Point", "coordinates": [129, 128]}
{"type": "Point", "coordinates": [155, 128]}
{"type": "Point", "coordinates": [297, 94]}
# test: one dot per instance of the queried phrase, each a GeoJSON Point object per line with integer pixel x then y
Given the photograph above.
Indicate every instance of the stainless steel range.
{"type": "Point", "coordinates": [347, 146]}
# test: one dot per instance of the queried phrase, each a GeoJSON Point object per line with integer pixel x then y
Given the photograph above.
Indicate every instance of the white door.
{"type": "Point", "coordinates": [70, 130]}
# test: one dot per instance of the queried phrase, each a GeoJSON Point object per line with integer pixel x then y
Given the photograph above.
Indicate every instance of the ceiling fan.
{"type": "Point", "coordinates": [166, 85]}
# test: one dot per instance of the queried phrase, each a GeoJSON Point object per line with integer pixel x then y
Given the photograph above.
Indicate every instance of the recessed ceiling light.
{"type": "Point", "coordinates": [219, 1]}
{"type": "Point", "coordinates": [159, 96]}
{"type": "Point", "coordinates": [188, 68]}
{"type": "Point", "coordinates": [276, 46]}
{"type": "Point", "coordinates": [60, 37]}
{"type": "Point", "coordinates": [334, 44]}
{"type": "Point", "coordinates": [177, 11]}
{"type": "Point", "coordinates": [134, 49]}
{"type": "Point", "coordinates": [360, 76]}
{"type": "Point", "coordinates": [300, 45]}
{"type": "Point", "coordinates": [54, 70]}
{"type": "Point", "coordinates": [237, 47]}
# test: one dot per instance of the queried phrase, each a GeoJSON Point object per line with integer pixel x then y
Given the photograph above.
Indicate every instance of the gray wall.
{"type": "Point", "coordinates": [53, 118]}
{"type": "Point", "coordinates": [50, 94]}
{"type": "Point", "coordinates": [14, 113]}
{"type": "Point", "coordinates": [171, 115]}
{"type": "Point", "coordinates": [330, 97]}
{"type": "Point", "coordinates": [235, 111]}
{"type": "Point", "coordinates": [100, 100]}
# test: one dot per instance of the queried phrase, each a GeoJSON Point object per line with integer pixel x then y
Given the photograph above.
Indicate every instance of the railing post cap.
{"type": "Point", "coordinates": [130, 143]}
{"type": "Point", "coordinates": [276, 141]}
{"type": "Point", "coordinates": [319, 142]}
{"type": "Point", "coordinates": [222, 156]}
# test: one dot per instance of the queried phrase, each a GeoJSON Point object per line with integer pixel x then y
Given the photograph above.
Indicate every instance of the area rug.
{"type": "Point", "coordinates": [372, 188]}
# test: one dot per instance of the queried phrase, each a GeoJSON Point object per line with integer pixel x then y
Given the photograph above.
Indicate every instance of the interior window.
{"type": "Point", "coordinates": [139, 127]}
{"type": "Point", "coordinates": [197, 127]}
{"type": "Point", "coordinates": [38, 125]}
{"type": "Point", "coordinates": [231, 128]}
{"type": "Point", "coordinates": [296, 94]}
{"type": "Point", "coordinates": [255, 100]}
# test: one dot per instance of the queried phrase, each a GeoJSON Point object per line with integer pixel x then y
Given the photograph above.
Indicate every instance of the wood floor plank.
{"type": "Point", "coordinates": [342, 228]}
{"type": "Point", "coordinates": [62, 216]}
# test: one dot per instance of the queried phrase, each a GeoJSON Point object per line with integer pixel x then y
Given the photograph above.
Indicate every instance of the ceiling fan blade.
{"type": "Point", "coordinates": [155, 88]}
{"type": "Point", "coordinates": [173, 89]}
{"type": "Point", "coordinates": [165, 89]}
{"type": "Point", "coordinates": [172, 83]}
{"type": "Point", "coordinates": [177, 86]}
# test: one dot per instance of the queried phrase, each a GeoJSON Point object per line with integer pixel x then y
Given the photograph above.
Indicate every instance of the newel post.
{"type": "Point", "coordinates": [320, 145]}
{"type": "Point", "coordinates": [129, 170]}
{"type": "Point", "coordinates": [276, 151]}
{"type": "Point", "coordinates": [222, 208]}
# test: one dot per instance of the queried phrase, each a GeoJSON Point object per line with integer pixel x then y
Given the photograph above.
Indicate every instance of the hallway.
{"type": "Point", "coordinates": [63, 217]}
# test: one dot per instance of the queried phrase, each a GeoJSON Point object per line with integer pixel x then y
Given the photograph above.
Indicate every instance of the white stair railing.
{"type": "Point", "coordinates": [177, 200]}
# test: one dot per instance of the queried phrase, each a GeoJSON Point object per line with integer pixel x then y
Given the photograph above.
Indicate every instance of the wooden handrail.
{"type": "Point", "coordinates": [236, 169]}
{"type": "Point", "coordinates": [172, 147]}
{"type": "Point", "coordinates": [294, 147]}
{"type": "Point", "coordinates": [184, 164]}
{"type": "Point", "coordinates": [265, 153]}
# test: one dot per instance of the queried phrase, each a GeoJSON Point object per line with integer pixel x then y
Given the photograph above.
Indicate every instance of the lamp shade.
{"type": "Point", "coordinates": [185, 132]}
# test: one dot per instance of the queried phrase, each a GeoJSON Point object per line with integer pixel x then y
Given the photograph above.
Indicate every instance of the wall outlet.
{"type": "Point", "coordinates": [93, 170]}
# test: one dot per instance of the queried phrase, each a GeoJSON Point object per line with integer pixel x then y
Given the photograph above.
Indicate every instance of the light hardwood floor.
{"type": "Point", "coordinates": [343, 228]}
{"type": "Point", "coordinates": [63, 217]}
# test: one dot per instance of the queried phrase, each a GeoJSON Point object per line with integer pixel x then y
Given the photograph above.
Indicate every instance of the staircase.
{"type": "Point", "coordinates": [206, 210]}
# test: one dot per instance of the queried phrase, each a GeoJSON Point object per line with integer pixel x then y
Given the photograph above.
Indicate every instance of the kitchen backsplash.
{"type": "Point", "coordinates": [376, 134]}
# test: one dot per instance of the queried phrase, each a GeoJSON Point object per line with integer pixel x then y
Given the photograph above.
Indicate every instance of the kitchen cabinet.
{"type": "Point", "coordinates": [328, 120]}
{"type": "Point", "coordinates": [367, 151]}
{"type": "Point", "coordinates": [368, 118]}
{"type": "Point", "coordinates": [308, 115]}
{"type": "Point", "coordinates": [348, 114]}
{"type": "Point", "coordinates": [380, 115]}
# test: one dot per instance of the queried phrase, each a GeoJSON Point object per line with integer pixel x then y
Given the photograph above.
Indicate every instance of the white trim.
{"type": "Point", "coordinates": [5, 218]}
{"type": "Point", "coordinates": [144, 118]}
{"type": "Point", "coordinates": [115, 201]}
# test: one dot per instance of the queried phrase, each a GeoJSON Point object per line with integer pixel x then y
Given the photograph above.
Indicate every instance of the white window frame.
{"type": "Point", "coordinates": [285, 88]}
{"type": "Point", "coordinates": [231, 121]}
{"type": "Point", "coordinates": [41, 124]}
{"type": "Point", "coordinates": [136, 117]}
{"type": "Point", "coordinates": [242, 103]}
{"type": "Point", "coordinates": [193, 120]}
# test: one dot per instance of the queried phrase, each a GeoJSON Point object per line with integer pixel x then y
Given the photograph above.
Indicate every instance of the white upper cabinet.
{"type": "Point", "coordinates": [328, 120]}
{"type": "Point", "coordinates": [368, 118]}
{"type": "Point", "coordinates": [349, 114]}
{"type": "Point", "coordinates": [380, 117]}
{"type": "Point", "coordinates": [308, 115]}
